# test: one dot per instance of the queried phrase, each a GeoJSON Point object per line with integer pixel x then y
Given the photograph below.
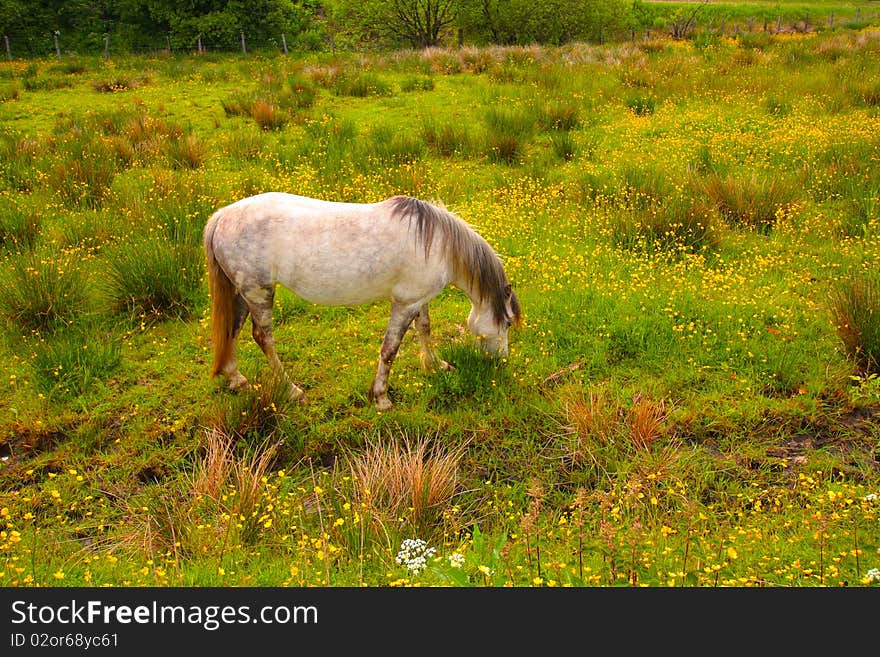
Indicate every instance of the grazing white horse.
{"type": "Point", "coordinates": [402, 249]}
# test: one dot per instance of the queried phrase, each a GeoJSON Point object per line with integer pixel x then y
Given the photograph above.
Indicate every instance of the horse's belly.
{"type": "Point", "coordinates": [337, 295]}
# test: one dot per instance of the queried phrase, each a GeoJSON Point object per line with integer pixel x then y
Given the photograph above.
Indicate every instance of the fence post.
{"type": "Point", "coordinates": [8, 50]}
{"type": "Point", "coordinates": [243, 49]}
{"type": "Point", "coordinates": [284, 42]}
{"type": "Point", "coordinates": [807, 22]}
{"type": "Point", "coordinates": [778, 24]}
{"type": "Point", "coordinates": [106, 54]}
{"type": "Point", "coordinates": [751, 23]}
{"type": "Point", "coordinates": [168, 41]}
{"type": "Point", "coordinates": [831, 20]}
{"type": "Point", "coordinates": [57, 47]}
{"type": "Point", "coordinates": [200, 44]}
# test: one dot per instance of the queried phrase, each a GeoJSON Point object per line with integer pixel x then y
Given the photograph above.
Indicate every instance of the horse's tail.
{"type": "Point", "coordinates": [222, 301]}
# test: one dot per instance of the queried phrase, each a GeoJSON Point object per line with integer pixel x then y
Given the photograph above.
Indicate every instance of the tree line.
{"type": "Point", "coordinates": [88, 26]}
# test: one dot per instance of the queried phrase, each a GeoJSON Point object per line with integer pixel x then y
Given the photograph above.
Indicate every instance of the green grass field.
{"type": "Point", "coordinates": [691, 229]}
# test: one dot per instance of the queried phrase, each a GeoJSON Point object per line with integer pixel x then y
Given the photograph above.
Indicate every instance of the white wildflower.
{"type": "Point", "coordinates": [873, 575]}
{"type": "Point", "coordinates": [456, 560]}
{"type": "Point", "coordinates": [414, 554]}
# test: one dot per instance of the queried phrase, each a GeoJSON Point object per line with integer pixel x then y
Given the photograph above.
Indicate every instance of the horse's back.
{"type": "Point", "coordinates": [328, 252]}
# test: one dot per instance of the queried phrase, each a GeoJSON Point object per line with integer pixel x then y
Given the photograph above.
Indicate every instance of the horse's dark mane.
{"type": "Point", "coordinates": [472, 257]}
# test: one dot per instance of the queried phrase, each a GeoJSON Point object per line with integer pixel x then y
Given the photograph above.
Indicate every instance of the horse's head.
{"type": "Point", "coordinates": [490, 324]}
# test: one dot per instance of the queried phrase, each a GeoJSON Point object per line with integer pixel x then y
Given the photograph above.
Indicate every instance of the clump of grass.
{"type": "Point", "coordinates": [676, 226]}
{"type": "Point", "coordinates": [361, 85]}
{"type": "Point", "coordinates": [600, 432]}
{"type": "Point", "coordinates": [417, 83]}
{"type": "Point", "coordinates": [235, 482]}
{"type": "Point", "coordinates": [300, 92]}
{"type": "Point", "coordinates": [777, 106]}
{"type": "Point", "coordinates": [404, 477]}
{"type": "Point", "coordinates": [71, 363]}
{"type": "Point", "coordinates": [243, 144]}
{"type": "Point", "coordinates": [559, 115]}
{"type": "Point", "coordinates": [261, 411]}
{"type": "Point", "coordinates": [447, 139]}
{"type": "Point", "coordinates": [641, 105]}
{"type": "Point", "coordinates": [564, 146]}
{"type": "Point", "coordinates": [187, 152]}
{"type": "Point", "coordinates": [476, 375]}
{"type": "Point", "coordinates": [750, 201]}
{"type": "Point", "coordinates": [9, 92]}
{"type": "Point", "coordinates": [85, 171]}
{"type": "Point", "coordinates": [42, 292]}
{"type": "Point", "coordinates": [267, 115]}
{"type": "Point", "coordinates": [116, 84]}
{"type": "Point", "coordinates": [507, 133]}
{"type": "Point", "coordinates": [643, 186]}
{"type": "Point", "coordinates": [855, 305]}
{"type": "Point", "coordinates": [19, 227]}
{"type": "Point", "coordinates": [646, 421]}
{"type": "Point", "coordinates": [154, 279]}
{"type": "Point", "coordinates": [395, 146]}
{"type": "Point", "coordinates": [861, 210]}
{"type": "Point", "coordinates": [18, 158]}
{"type": "Point", "coordinates": [867, 92]}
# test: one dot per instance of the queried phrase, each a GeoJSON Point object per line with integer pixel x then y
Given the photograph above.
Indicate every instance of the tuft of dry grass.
{"type": "Point", "coordinates": [267, 115]}
{"type": "Point", "coordinates": [411, 478]}
{"type": "Point", "coordinates": [212, 471]}
{"type": "Point", "coordinates": [646, 421]}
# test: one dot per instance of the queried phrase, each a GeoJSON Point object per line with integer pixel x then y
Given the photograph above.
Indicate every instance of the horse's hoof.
{"type": "Point", "coordinates": [297, 394]}
{"type": "Point", "coordinates": [383, 404]}
{"type": "Point", "coordinates": [238, 382]}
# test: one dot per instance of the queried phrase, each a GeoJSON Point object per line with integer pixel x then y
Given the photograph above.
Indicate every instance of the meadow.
{"type": "Point", "coordinates": [691, 229]}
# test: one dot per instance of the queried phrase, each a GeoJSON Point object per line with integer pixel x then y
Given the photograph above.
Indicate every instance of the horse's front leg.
{"type": "Point", "coordinates": [401, 318]}
{"type": "Point", "coordinates": [429, 358]}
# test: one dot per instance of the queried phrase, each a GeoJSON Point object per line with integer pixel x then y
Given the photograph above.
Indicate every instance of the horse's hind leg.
{"type": "Point", "coordinates": [234, 378]}
{"type": "Point", "coordinates": [260, 304]}
{"type": "Point", "coordinates": [401, 318]}
{"type": "Point", "coordinates": [427, 354]}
